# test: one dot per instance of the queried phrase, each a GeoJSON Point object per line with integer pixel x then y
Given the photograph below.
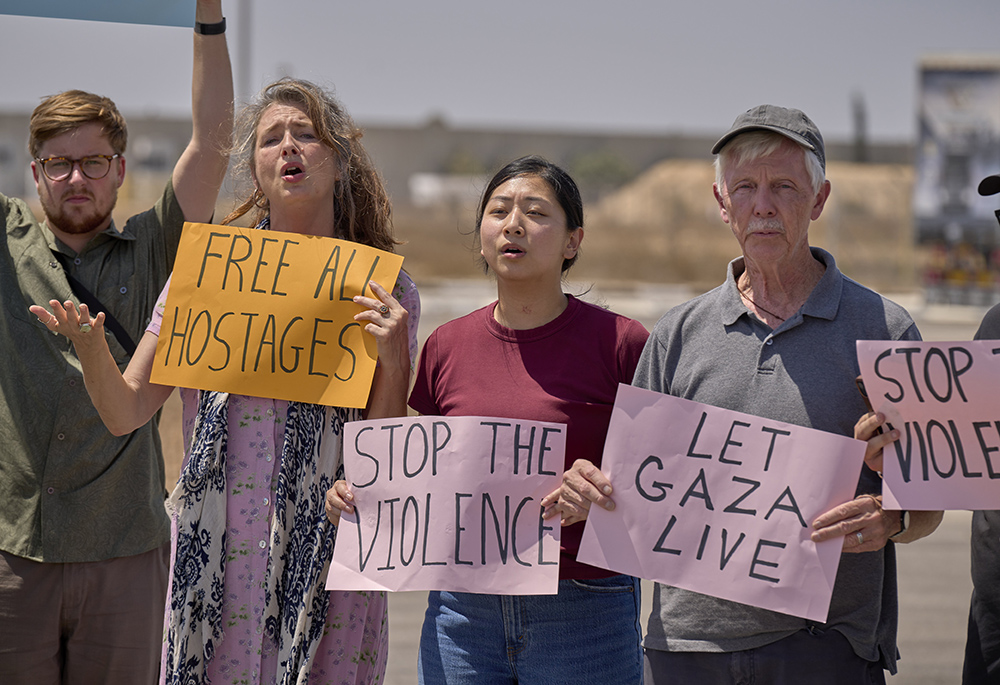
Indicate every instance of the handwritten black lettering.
{"type": "Point", "coordinates": [723, 556]}
{"type": "Point", "coordinates": [660, 487]}
{"type": "Point", "coordinates": [734, 508]}
{"type": "Point", "coordinates": [316, 341]}
{"type": "Point", "coordinates": [234, 260]}
{"type": "Point", "coordinates": [694, 439]}
{"type": "Point", "coordinates": [658, 547]}
{"type": "Point", "coordinates": [361, 452]}
{"type": "Point", "coordinates": [392, 533]}
{"type": "Point", "coordinates": [757, 561]}
{"type": "Point", "coordinates": [459, 528]}
{"type": "Point", "coordinates": [403, 559]}
{"type": "Point", "coordinates": [792, 506]}
{"type": "Point", "coordinates": [699, 493]}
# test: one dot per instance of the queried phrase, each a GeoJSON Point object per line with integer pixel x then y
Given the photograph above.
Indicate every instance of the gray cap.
{"type": "Point", "coordinates": [990, 185]}
{"type": "Point", "coordinates": [790, 123]}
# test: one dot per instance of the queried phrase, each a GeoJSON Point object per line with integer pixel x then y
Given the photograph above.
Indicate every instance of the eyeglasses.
{"type": "Point", "coordinates": [93, 167]}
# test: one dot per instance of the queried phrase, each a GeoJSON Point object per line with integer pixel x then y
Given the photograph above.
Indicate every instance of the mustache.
{"type": "Point", "coordinates": [77, 193]}
{"type": "Point", "coordinates": [757, 225]}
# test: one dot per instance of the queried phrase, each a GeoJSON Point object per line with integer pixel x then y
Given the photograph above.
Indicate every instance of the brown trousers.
{"type": "Point", "coordinates": [82, 623]}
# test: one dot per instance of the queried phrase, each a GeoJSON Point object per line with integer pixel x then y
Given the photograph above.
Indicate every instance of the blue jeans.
{"type": "Point", "coordinates": [588, 633]}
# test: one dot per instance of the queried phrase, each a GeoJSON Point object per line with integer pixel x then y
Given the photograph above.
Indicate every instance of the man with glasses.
{"type": "Point", "coordinates": [982, 646]}
{"type": "Point", "coordinates": [84, 536]}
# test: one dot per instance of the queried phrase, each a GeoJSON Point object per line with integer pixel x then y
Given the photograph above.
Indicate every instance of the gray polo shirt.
{"type": "Point", "coordinates": [712, 350]}
{"type": "Point", "coordinates": [69, 490]}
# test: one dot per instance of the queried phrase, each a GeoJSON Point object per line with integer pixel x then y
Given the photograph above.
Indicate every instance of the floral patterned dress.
{"type": "Point", "coordinates": [354, 645]}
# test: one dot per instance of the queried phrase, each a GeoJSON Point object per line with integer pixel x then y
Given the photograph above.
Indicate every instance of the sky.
{"type": "Point", "coordinates": [650, 66]}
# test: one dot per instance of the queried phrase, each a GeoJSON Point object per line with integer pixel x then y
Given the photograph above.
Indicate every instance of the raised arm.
{"type": "Point", "coordinates": [124, 402]}
{"type": "Point", "coordinates": [201, 168]}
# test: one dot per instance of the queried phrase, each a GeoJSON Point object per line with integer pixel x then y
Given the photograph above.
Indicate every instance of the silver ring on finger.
{"type": "Point", "coordinates": [384, 311]}
{"type": "Point", "coordinates": [86, 327]}
{"type": "Point", "coordinates": [861, 538]}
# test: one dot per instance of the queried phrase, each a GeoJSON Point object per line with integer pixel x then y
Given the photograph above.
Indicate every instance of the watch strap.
{"type": "Point", "coordinates": [210, 29]}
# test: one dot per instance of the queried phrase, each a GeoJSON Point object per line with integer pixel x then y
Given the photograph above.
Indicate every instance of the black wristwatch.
{"type": "Point", "coordinates": [904, 523]}
{"type": "Point", "coordinates": [210, 29]}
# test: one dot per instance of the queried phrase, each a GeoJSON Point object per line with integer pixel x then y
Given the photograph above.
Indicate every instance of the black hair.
{"type": "Point", "coordinates": [563, 186]}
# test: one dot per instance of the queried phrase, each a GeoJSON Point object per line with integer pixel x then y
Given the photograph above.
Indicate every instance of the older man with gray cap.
{"type": "Point", "coordinates": [982, 646]}
{"type": "Point", "coordinates": [777, 340]}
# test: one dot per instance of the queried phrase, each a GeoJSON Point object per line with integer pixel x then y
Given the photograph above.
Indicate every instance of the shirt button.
{"type": "Point", "coordinates": [123, 290]}
{"type": "Point", "coordinates": [76, 261]}
{"type": "Point", "coordinates": [262, 544]}
{"type": "Point", "coordinates": [769, 341]}
{"type": "Point", "coordinates": [72, 382]}
{"type": "Point", "coordinates": [266, 501]}
{"type": "Point", "coordinates": [51, 491]}
{"type": "Point", "coordinates": [61, 436]}
{"type": "Point", "coordinates": [268, 457]}
{"type": "Point", "coordinates": [270, 412]}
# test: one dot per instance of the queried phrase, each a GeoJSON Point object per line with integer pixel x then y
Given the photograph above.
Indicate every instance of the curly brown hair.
{"type": "Point", "coordinates": [361, 205]}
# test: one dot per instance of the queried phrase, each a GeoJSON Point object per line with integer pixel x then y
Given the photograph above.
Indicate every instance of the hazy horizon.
{"type": "Point", "coordinates": [625, 67]}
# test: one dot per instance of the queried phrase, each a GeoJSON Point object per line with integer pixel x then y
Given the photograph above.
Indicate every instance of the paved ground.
{"type": "Point", "coordinates": [933, 573]}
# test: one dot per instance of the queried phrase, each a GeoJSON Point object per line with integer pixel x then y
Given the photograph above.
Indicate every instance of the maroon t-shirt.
{"type": "Point", "coordinates": [566, 371]}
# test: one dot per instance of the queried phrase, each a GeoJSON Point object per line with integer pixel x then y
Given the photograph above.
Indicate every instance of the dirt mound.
{"type": "Point", "coordinates": [665, 227]}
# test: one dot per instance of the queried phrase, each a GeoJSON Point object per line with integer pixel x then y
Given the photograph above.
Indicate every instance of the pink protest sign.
{"type": "Point", "coordinates": [450, 503]}
{"type": "Point", "coordinates": [942, 397]}
{"type": "Point", "coordinates": [721, 503]}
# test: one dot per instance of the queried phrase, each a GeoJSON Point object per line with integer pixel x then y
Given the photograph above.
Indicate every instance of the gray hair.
{"type": "Point", "coordinates": [754, 145]}
{"type": "Point", "coordinates": [361, 205]}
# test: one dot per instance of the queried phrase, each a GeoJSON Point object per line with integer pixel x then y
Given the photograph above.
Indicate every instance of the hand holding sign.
{"type": "Point", "coordinates": [583, 484]}
{"type": "Point", "coordinates": [872, 429]}
{"type": "Point", "coordinates": [862, 523]}
{"type": "Point", "coordinates": [387, 321]}
{"type": "Point", "coordinates": [339, 499]}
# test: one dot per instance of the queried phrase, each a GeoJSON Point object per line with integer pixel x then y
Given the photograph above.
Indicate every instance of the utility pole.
{"type": "Point", "coordinates": [244, 87]}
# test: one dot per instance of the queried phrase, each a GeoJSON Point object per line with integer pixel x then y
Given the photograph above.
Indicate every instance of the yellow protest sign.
{"type": "Point", "coordinates": [270, 314]}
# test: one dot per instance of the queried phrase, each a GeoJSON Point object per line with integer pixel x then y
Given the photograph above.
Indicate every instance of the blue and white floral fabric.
{"type": "Point", "coordinates": [301, 540]}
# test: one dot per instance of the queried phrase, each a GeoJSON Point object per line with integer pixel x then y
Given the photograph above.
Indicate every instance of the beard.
{"type": "Point", "coordinates": [74, 220]}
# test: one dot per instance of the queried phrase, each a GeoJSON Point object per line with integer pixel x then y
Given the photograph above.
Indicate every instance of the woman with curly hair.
{"type": "Point", "coordinates": [252, 544]}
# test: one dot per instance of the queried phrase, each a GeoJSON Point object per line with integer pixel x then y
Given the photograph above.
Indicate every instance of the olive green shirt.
{"type": "Point", "coordinates": [70, 491]}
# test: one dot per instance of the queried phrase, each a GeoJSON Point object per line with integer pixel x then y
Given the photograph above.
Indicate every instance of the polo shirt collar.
{"type": "Point", "coordinates": [823, 301]}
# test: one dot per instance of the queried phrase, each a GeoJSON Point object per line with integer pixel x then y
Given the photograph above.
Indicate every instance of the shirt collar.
{"type": "Point", "coordinates": [823, 301]}
{"type": "Point", "coordinates": [109, 233]}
